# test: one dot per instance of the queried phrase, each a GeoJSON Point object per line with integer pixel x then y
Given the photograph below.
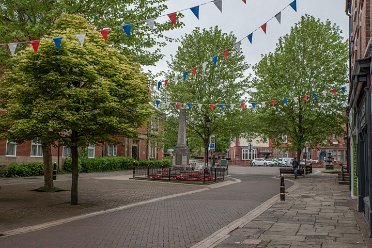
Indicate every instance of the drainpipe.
{"type": "Point", "coordinates": [369, 137]}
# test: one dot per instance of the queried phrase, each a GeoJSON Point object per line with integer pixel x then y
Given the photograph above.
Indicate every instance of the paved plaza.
{"type": "Point", "coordinates": [243, 211]}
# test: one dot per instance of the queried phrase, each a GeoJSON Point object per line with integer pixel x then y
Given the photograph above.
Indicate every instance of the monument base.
{"type": "Point", "coordinates": [181, 157]}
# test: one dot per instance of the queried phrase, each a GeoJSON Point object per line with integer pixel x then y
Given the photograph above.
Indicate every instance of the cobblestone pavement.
{"type": "Point", "coordinates": [176, 222]}
{"type": "Point", "coordinates": [318, 213]}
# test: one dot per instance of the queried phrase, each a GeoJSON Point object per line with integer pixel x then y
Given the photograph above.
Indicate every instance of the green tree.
{"type": "Point", "coordinates": [76, 95]}
{"type": "Point", "coordinates": [220, 83]}
{"type": "Point", "coordinates": [25, 20]}
{"type": "Point", "coordinates": [310, 61]}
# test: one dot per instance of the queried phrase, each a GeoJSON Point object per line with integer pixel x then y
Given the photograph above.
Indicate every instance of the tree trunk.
{"type": "Point", "coordinates": [48, 167]}
{"type": "Point", "coordinates": [206, 152]}
{"type": "Point", "coordinates": [299, 151]}
{"type": "Point", "coordinates": [75, 174]}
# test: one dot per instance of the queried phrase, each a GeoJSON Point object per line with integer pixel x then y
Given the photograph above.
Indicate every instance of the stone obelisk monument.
{"type": "Point", "coordinates": [181, 153]}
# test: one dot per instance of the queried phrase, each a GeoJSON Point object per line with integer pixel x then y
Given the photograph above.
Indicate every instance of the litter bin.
{"type": "Point", "coordinates": [225, 165]}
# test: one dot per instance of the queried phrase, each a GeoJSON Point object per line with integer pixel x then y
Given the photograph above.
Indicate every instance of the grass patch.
{"type": "Point", "coordinates": [45, 189]}
{"type": "Point", "coordinates": [331, 171]}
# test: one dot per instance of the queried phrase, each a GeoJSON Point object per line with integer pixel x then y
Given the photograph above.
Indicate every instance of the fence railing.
{"type": "Point", "coordinates": [179, 174]}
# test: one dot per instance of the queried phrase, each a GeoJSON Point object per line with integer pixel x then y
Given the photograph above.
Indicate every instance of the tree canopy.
{"type": "Point", "coordinates": [76, 94]}
{"type": "Point", "coordinates": [304, 76]}
{"type": "Point", "coordinates": [221, 83]}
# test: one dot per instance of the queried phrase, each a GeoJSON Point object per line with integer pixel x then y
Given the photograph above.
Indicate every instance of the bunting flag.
{"type": "Point", "coordinates": [226, 53]}
{"type": "Point", "coordinates": [285, 101]}
{"type": "Point", "coordinates": [279, 17]}
{"type": "Point", "coordinates": [58, 41]}
{"type": "Point", "coordinates": [222, 106]}
{"type": "Point", "coordinates": [273, 102]}
{"type": "Point", "coordinates": [244, 1]}
{"type": "Point", "coordinates": [151, 23]}
{"type": "Point", "coordinates": [237, 45]}
{"type": "Point", "coordinates": [178, 104]}
{"type": "Point", "coordinates": [263, 104]}
{"type": "Point", "coordinates": [232, 106]}
{"type": "Point", "coordinates": [127, 28]}
{"type": "Point", "coordinates": [218, 4]}
{"type": "Point", "coordinates": [189, 105]}
{"type": "Point", "coordinates": [333, 91]}
{"type": "Point", "coordinates": [173, 18]}
{"type": "Point", "coordinates": [215, 58]}
{"type": "Point", "coordinates": [242, 105]}
{"type": "Point", "coordinates": [250, 37]}
{"type": "Point", "coordinates": [200, 106]}
{"type": "Point", "coordinates": [211, 106]}
{"type": "Point", "coordinates": [294, 5]}
{"type": "Point", "coordinates": [185, 75]}
{"type": "Point", "coordinates": [195, 10]}
{"type": "Point", "coordinates": [194, 71]}
{"type": "Point", "coordinates": [35, 45]}
{"type": "Point", "coordinates": [167, 104]}
{"type": "Point", "coordinates": [306, 97]}
{"type": "Point", "coordinates": [81, 38]}
{"type": "Point", "coordinates": [204, 66]}
{"type": "Point", "coordinates": [12, 48]}
{"type": "Point", "coordinates": [263, 27]}
{"type": "Point", "coordinates": [175, 78]}
{"type": "Point", "coordinates": [166, 82]}
{"type": "Point", "coordinates": [157, 102]}
{"type": "Point", "coordinates": [343, 89]}
{"type": "Point", "coordinates": [253, 105]}
{"type": "Point", "coordinates": [315, 96]}
{"type": "Point", "coordinates": [159, 85]}
{"type": "Point", "coordinates": [105, 33]}
{"type": "Point", "coordinates": [324, 93]}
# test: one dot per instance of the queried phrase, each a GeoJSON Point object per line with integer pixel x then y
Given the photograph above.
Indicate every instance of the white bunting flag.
{"type": "Point", "coordinates": [167, 104]}
{"type": "Point", "coordinates": [279, 17]}
{"type": "Point", "coordinates": [237, 45]}
{"type": "Point", "coordinates": [263, 104]}
{"type": "Point", "coordinates": [12, 48]}
{"type": "Point", "coordinates": [81, 38]}
{"type": "Point", "coordinates": [232, 106]}
{"type": "Point", "coordinates": [150, 23]}
{"type": "Point", "coordinates": [204, 65]}
{"type": "Point", "coordinates": [200, 106]}
{"type": "Point", "coordinates": [175, 78]}
{"type": "Point", "coordinates": [324, 93]}
{"type": "Point", "coordinates": [218, 4]}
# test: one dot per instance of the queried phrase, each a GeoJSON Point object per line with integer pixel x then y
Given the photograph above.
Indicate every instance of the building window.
{"type": "Point", "coordinates": [152, 150]}
{"type": "Point", "coordinates": [112, 150]}
{"type": "Point", "coordinates": [66, 152]}
{"type": "Point", "coordinates": [284, 139]}
{"type": "Point", "coordinates": [11, 148]}
{"type": "Point", "coordinates": [36, 150]}
{"type": "Point", "coordinates": [91, 151]}
{"type": "Point", "coordinates": [245, 154]}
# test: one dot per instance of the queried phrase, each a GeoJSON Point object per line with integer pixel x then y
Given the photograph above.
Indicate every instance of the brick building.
{"type": "Point", "coordinates": [360, 104]}
{"type": "Point", "coordinates": [146, 146]}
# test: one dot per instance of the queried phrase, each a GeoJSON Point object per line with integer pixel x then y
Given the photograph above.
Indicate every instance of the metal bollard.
{"type": "Point", "coordinates": [282, 188]}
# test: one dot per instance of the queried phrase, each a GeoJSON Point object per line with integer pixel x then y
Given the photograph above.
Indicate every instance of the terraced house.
{"type": "Point", "coordinates": [360, 104]}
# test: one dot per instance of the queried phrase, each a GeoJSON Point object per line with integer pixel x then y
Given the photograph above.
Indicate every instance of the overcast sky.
{"type": "Point", "coordinates": [241, 19]}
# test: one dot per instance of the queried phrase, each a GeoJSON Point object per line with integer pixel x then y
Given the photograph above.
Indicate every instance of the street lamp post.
{"type": "Point", "coordinates": [208, 125]}
{"type": "Point", "coordinates": [250, 150]}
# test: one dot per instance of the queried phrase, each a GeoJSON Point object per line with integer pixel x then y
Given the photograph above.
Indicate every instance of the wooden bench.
{"type": "Point", "coordinates": [300, 171]}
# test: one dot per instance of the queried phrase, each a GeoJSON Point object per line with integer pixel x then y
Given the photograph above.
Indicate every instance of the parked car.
{"type": "Point", "coordinates": [286, 162]}
{"type": "Point", "coordinates": [261, 161]}
{"type": "Point", "coordinates": [272, 162]}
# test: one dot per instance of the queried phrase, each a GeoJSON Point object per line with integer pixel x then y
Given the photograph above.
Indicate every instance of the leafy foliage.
{"type": "Point", "coordinates": [24, 20]}
{"type": "Point", "coordinates": [23, 170]}
{"type": "Point", "coordinates": [310, 60]}
{"type": "Point", "coordinates": [223, 83]}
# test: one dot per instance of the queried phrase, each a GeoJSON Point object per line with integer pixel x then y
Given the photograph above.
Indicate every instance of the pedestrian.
{"type": "Point", "coordinates": [295, 167]}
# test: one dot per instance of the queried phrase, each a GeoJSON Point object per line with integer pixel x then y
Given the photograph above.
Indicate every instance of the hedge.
{"type": "Point", "coordinates": [113, 164]}
{"type": "Point", "coordinates": [23, 170]}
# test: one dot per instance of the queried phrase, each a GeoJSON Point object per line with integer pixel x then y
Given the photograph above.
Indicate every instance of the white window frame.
{"type": "Point", "coordinates": [113, 152]}
{"type": "Point", "coordinates": [92, 147]}
{"type": "Point", "coordinates": [39, 149]}
{"type": "Point", "coordinates": [245, 154]}
{"type": "Point", "coordinates": [15, 148]}
{"type": "Point", "coordinates": [66, 152]}
{"type": "Point", "coordinates": [152, 150]}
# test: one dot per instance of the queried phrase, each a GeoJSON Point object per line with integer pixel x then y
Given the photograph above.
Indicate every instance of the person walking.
{"type": "Point", "coordinates": [295, 167]}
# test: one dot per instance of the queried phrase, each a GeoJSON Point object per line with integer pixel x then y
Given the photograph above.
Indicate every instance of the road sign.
{"type": "Point", "coordinates": [212, 146]}
{"type": "Point", "coordinates": [212, 142]}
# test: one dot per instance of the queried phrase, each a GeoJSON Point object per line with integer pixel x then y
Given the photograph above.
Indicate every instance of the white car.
{"type": "Point", "coordinates": [261, 161]}
{"type": "Point", "coordinates": [286, 162]}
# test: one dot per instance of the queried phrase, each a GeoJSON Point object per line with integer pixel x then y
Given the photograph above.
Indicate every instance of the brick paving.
{"type": "Point", "coordinates": [319, 213]}
{"type": "Point", "coordinates": [177, 222]}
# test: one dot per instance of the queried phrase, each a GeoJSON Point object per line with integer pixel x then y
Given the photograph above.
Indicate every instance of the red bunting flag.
{"type": "Point", "coordinates": [194, 71]}
{"type": "Point", "coordinates": [243, 105]}
{"type": "Point", "coordinates": [104, 33]}
{"type": "Point", "coordinates": [166, 82]}
{"type": "Point", "coordinates": [173, 18]}
{"type": "Point", "coordinates": [273, 102]}
{"type": "Point", "coordinates": [333, 91]}
{"type": "Point", "coordinates": [263, 27]}
{"type": "Point", "coordinates": [226, 53]}
{"type": "Point", "coordinates": [178, 105]}
{"type": "Point", "coordinates": [244, 1]}
{"type": "Point", "coordinates": [35, 45]}
{"type": "Point", "coordinates": [211, 106]}
{"type": "Point", "coordinates": [306, 98]}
